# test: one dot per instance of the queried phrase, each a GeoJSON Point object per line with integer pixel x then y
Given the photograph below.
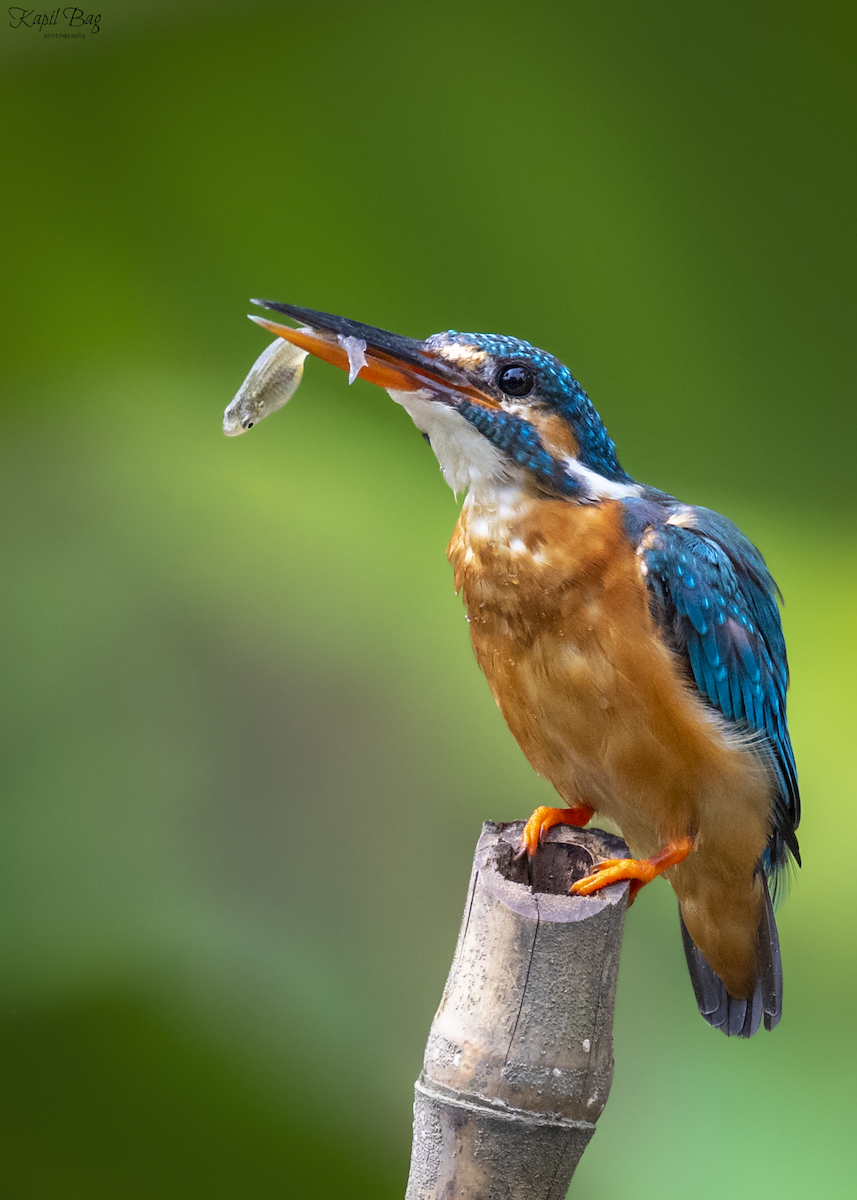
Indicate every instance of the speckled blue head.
{"type": "Point", "coordinates": [554, 390]}
{"type": "Point", "coordinates": [525, 404]}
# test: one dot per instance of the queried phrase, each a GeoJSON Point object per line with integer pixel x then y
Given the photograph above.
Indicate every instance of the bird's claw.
{"type": "Point", "coordinates": [545, 818]}
{"type": "Point", "coordinates": [615, 870]}
{"type": "Point", "coordinates": [534, 832]}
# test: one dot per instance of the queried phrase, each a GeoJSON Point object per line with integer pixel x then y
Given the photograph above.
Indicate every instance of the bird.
{"type": "Point", "coordinates": [632, 642]}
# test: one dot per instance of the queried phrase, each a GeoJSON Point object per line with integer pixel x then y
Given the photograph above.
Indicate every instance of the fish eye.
{"type": "Point", "coordinates": [515, 380]}
{"type": "Point", "coordinates": [247, 424]}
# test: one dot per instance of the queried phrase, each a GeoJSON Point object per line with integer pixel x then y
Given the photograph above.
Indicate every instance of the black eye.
{"type": "Point", "coordinates": [516, 380]}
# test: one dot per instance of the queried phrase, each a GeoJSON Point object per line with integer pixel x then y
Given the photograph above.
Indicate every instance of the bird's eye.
{"type": "Point", "coordinates": [515, 380]}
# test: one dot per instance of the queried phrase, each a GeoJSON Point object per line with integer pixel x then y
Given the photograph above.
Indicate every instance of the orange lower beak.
{"type": "Point", "coordinates": [393, 362]}
{"type": "Point", "coordinates": [376, 371]}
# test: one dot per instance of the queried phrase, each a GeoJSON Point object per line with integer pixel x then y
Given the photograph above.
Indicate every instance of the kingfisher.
{"type": "Point", "coordinates": [632, 642]}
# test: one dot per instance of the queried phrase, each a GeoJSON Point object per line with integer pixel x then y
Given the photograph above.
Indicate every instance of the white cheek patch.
{"type": "Point", "coordinates": [597, 487]}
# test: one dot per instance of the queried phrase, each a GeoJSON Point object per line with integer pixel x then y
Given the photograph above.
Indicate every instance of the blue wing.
{"type": "Point", "coordinates": [717, 604]}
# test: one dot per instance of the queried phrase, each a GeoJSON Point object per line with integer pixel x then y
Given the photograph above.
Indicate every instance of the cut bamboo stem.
{"type": "Point", "coordinates": [519, 1059]}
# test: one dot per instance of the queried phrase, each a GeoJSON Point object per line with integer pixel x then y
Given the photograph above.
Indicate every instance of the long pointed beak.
{"type": "Point", "coordinates": [391, 361]}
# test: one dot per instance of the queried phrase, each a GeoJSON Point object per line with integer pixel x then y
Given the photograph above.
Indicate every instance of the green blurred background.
{"type": "Point", "coordinates": [247, 749]}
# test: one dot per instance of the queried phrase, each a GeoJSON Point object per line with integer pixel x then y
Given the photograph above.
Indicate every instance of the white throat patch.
{"type": "Point", "coordinates": [468, 460]}
{"type": "Point", "coordinates": [470, 463]}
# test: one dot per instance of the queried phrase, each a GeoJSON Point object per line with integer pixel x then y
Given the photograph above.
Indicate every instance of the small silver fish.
{"type": "Point", "coordinates": [271, 382]}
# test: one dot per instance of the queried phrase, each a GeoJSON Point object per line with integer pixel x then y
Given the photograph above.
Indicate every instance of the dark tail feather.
{"type": "Point", "coordinates": [740, 1018]}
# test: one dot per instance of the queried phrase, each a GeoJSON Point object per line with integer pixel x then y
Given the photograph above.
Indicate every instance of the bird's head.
{"type": "Point", "coordinates": [495, 409]}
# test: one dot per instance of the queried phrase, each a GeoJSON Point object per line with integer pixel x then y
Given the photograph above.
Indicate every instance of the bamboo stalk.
{"type": "Point", "coordinates": [519, 1059]}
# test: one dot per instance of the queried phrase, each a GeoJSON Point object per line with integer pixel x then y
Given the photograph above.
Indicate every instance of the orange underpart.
{"type": "Point", "coordinates": [638, 870]}
{"type": "Point", "coordinates": [544, 819]}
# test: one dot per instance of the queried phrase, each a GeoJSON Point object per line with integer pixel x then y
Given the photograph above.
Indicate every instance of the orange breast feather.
{"type": "Point", "coordinates": [561, 626]}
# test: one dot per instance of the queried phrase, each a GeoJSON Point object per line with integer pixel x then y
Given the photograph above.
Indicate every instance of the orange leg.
{"type": "Point", "coordinates": [638, 870]}
{"type": "Point", "coordinates": [544, 819]}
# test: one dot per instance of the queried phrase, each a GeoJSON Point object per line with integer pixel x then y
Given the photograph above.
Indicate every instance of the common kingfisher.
{"type": "Point", "coordinates": [632, 642]}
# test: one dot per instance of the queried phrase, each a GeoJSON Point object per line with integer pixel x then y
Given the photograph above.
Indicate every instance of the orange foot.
{"type": "Point", "coordinates": [638, 870]}
{"type": "Point", "coordinates": [544, 819]}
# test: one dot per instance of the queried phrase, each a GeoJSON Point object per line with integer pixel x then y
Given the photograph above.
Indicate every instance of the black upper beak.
{"type": "Point", "coordinates": [393, 361]}
{"type": "Point", "coordinates": [404, 350]}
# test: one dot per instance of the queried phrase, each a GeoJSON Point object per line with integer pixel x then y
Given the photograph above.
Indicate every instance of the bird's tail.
{"type": "Point", "coordinates": [740, 1018]}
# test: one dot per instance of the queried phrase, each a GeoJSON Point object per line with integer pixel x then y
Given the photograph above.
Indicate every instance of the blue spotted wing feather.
{"type": "Point", "coordinates": [718, 604]}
